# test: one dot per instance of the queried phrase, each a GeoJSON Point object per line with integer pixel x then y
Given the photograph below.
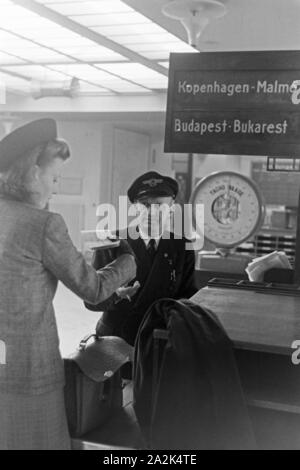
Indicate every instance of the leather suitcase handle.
{"type": "Point", "coordinates": [83, 342]}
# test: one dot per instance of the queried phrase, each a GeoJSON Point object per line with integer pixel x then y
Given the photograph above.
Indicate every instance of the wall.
{"type": "Point", "coordinates": [79, 193]}
{"type": "Point", "coordinates": [203, 165]}
{"type": "Point", "coordinates": [159, 160]}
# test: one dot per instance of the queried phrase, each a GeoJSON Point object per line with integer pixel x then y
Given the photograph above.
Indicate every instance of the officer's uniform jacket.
{"type": "Point", "coordinates": [170, 275]}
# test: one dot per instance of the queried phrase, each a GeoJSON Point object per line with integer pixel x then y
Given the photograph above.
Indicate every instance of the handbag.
{"type": "Point", "coordinates": [93, 384]}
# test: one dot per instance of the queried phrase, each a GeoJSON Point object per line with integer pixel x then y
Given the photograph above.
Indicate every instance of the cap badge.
{"type": "Point", "coordinates": [153, 182]}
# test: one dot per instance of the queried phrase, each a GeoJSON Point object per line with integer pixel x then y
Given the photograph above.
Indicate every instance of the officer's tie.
{"type": "Point", "coordinates": [151, 249]}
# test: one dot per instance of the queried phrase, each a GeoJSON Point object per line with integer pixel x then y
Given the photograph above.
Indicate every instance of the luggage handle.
{"type": "Point", "coordinates": [83, 343]}
{"type": "Point", "coordinates": [108, 374]}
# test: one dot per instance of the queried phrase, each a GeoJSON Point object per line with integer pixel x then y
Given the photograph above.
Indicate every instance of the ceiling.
{"type": "Point", "coordinates": [116, 47]}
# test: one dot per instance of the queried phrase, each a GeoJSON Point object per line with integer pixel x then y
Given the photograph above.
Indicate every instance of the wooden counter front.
{"type": "Point", "coordinates": [262, 328]}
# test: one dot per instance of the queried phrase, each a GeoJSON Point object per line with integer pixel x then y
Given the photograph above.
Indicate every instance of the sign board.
{"type": "Point", "coordinates": [239, 103]}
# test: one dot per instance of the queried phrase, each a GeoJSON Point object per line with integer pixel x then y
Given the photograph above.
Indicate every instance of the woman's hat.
{"type": "Point", "coordinates": [25, 138]}
{"type": "Point", "coordinates": [152, 184]}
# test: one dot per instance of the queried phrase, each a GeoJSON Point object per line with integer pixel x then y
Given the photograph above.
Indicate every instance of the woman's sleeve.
{"type": "Point", "coordinates": [68, 265]}
{"type": "Point", "coordinates": [98, 261]}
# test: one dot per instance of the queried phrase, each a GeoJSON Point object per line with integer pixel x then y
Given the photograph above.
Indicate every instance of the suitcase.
{"type": "Point", "coordinates": [93, 389]}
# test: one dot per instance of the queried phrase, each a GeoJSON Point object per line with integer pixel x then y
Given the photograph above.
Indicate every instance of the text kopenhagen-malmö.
{"type": "Point", "coordinates": [229, 89]}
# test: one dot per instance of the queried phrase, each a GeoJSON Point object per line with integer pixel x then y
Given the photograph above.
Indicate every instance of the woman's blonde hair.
{"type": "Point", "coordinates": [16, 182]}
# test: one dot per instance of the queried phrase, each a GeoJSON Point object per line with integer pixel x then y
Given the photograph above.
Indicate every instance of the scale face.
{"type": "Point", "coordinates": [233, 208]}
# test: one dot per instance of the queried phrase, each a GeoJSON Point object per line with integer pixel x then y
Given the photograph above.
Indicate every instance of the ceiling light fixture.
{"type": "Point", "coordinates": [194, 15]}
{"type": "Point", "coordinates": [67, 88]}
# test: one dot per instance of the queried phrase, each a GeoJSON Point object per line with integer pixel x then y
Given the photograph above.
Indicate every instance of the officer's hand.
{"type": "Point", "coordinates": [128, 292]}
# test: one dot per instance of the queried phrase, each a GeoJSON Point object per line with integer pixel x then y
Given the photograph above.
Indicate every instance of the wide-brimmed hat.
{"type": "Point", "coordinates": [25, 138]}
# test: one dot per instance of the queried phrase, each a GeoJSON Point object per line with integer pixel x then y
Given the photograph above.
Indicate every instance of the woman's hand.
{"type": "Point", "coordinates": [128, 292]}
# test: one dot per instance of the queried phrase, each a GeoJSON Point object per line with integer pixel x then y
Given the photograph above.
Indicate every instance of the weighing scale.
{"type": "Point", "coordinates": [233, 212]}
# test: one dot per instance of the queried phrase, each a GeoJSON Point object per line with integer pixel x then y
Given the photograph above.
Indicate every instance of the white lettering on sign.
{"type": "Point", "coordinates": [250, 127]}
{"type": "Point", "coordinates": [223, 88]}
{"type": "Point", "coordinates": [273, 87]}
{"type": "Point", "coordinates": [2, 353]}
{"type": "Point", "coordinates": [236, 126]}
{"type": "Point", "coordinates": [200, 127]}
{"type": "Point", "coordinates": [230, 89]}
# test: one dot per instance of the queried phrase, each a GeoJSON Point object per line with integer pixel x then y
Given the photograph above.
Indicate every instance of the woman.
{"type": "Point", "coordinates": [35, 252]}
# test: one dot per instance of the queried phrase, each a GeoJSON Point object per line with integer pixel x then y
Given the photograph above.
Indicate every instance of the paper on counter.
{"type": "Point", "coordinates": [257, 268]}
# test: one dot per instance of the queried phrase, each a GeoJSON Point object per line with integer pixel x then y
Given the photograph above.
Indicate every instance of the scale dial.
{"type": "Point", "coordinates": [233, 208]}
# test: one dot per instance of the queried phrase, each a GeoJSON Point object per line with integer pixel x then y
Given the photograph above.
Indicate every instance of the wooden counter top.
{"type": "Point", "coordinates": [255, 321]}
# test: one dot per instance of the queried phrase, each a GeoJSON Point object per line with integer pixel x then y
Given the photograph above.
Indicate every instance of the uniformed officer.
{"type": "Point", "coordinates": [165, 266]}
